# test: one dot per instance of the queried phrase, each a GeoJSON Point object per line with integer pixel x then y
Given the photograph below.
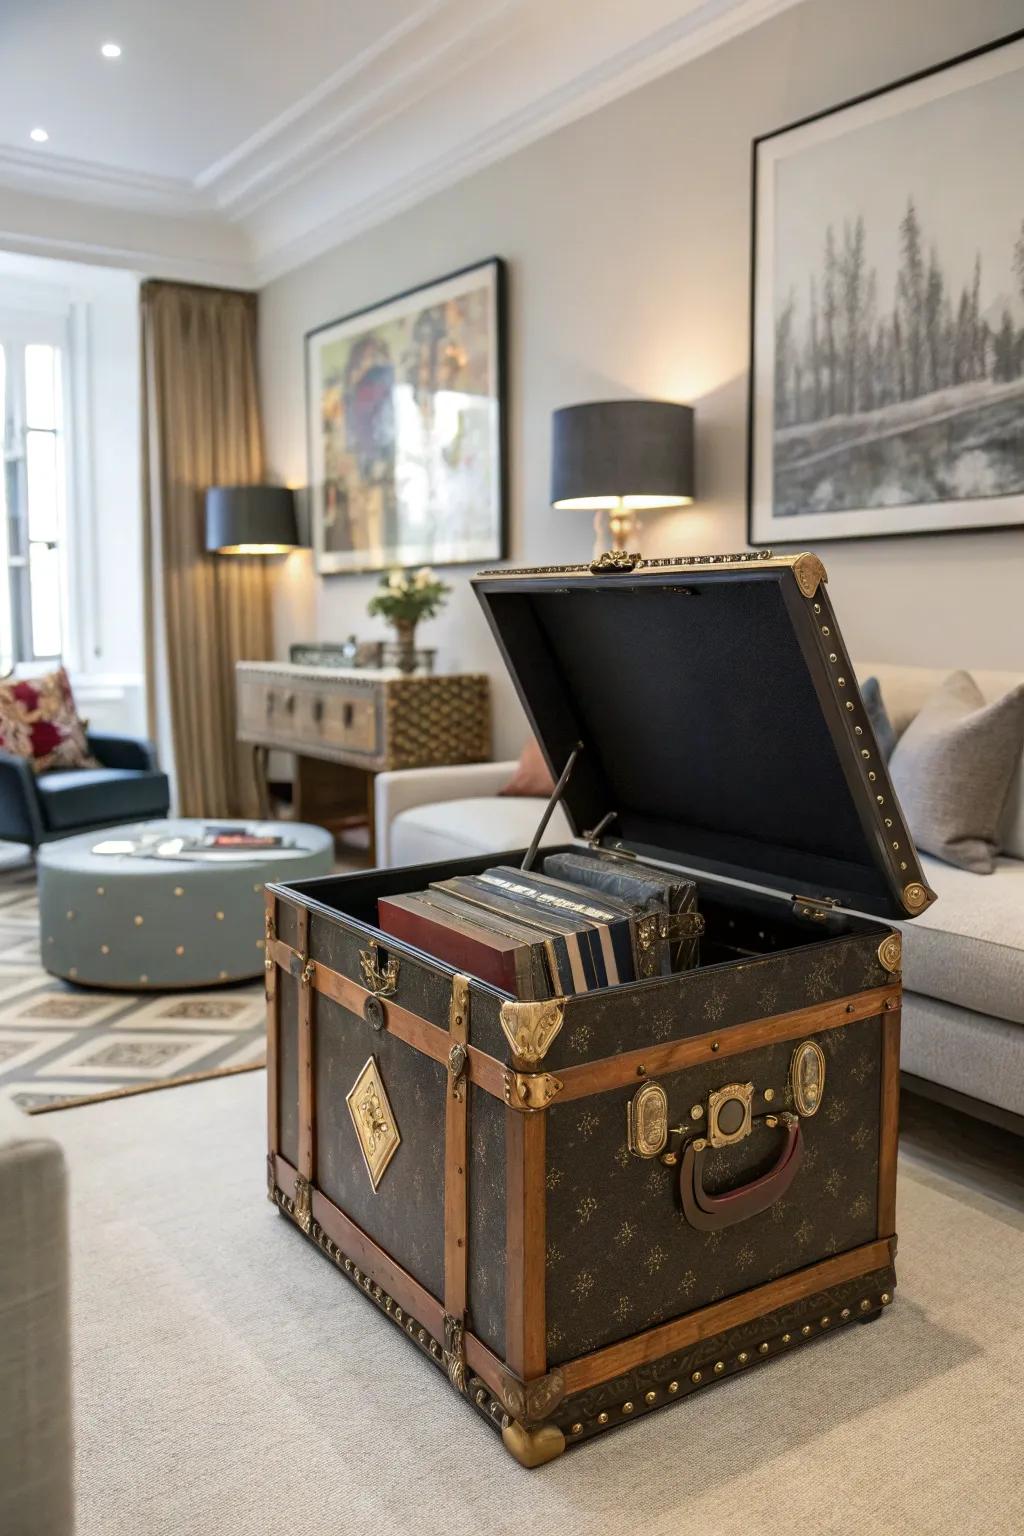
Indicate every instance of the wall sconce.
{"type": "Point", "coordinates": [250, 520]}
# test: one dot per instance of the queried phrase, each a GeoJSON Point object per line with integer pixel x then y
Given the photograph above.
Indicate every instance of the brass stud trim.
{"type": "Point", "coordinates": [865, 1305]}
{"type": "Point", "coordinates": [805, 1330]}
{"type": "Point", "coordinates": [576, 1429]}
{"type": "Point", "coordinates": [787, 1338]}
{"type": "Point", "coordinates": [719, 1367]}
{"type": "Point", "coordinates": [762, 1349]}
{"type": "Point", "coordinates": [885, 1298]}
{"type": "Point", "coordinates": [743, 1357]}
{"type": "Point", "coordinates": [602, 1418]}
{"type": "Point", "coordinates": [627, 1407]}
{"type": "Point", "coordinates": [697, 1377]}
{"type": "Point", "coordinates": [650, 1397]}
{"type": "Point", "coordinates": [673, 1386]}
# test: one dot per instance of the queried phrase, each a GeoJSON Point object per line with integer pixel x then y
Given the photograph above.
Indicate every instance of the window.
{"type": "Point", "coordinates": [32, 490]}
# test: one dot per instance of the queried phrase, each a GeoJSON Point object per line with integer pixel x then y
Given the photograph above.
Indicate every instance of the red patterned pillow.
{"type": "Point", "coordinates": [38, 720]}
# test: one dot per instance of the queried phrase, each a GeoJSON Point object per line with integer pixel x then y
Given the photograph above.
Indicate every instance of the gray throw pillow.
{"type": "Point", "coordinates": [952, 769]}
{"type": "Point", "coordinates": [885, 734]}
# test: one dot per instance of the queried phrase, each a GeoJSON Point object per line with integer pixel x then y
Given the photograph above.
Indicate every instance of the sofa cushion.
{"type": "Point", "coordinates": [39, 721]}
{"type": "Point", "coordinates": [92, 796]}
{"type": "Point", "coordinates": [952, 771]}
{"type": "Point", "coordinates": [968, 948]}
{"type": "Point", "coordinates": [967, 1051]}
{"type": "Point", "coordinates": [905, 690]}
{"type": "Point", "coordinates": [487, 824]}
{"type": "Point", "coordinates": [881, 725]}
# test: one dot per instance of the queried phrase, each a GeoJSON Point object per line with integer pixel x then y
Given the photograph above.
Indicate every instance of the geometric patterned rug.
{"type": "Point", "coordinates": [60, 1044]}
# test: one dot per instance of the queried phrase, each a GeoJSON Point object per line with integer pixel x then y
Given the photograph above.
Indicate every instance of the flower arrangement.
{"type": "Point", "coordinates": [403, 599]}
{"type": "Point", "coordinates": [404, 596]}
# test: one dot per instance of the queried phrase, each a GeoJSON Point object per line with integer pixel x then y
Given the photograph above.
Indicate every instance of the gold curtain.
{"type": "Point", "coordinates": [201, 426]}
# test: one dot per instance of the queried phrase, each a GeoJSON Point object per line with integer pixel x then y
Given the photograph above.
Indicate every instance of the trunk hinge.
{"type": "Point", "coordinates": [816, 908]}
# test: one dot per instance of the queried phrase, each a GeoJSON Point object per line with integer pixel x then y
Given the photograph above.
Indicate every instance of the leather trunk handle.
{"type": "Point", "coordinates": [708, 1213]}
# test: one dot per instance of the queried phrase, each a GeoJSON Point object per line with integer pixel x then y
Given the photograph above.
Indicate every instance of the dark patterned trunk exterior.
{"type": "Point", "coordinates": [621, 1256]}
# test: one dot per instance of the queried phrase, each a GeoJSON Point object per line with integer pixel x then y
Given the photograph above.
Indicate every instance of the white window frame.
{"type": "Point", "coordinates": [48, 326]}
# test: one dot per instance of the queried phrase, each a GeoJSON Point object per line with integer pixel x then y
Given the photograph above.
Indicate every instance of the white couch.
{"type": "Point", "coordinates": [963, 959]}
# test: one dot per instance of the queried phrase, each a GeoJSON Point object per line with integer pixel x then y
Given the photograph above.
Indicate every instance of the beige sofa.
{"type": "Point", "coordinates": [35, 1351]}
{"type": "Point", "coordinates": [963, 964]}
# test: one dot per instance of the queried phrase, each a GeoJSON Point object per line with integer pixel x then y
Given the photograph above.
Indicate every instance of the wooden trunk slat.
{"type": "Point", "coordinates": [643, 1348]}
{"type": "Point", "coordinates": [526, 1243]}
{"type": "Point", "coordinates": [657, 1060]}
{"type": "Point", "coordinates": [485, 1071]}
{"type": "Point", "coordinates": [889, 1124]}
{"type": "Point", "coordinates": [456, 1167]}
{"type": "Point", "coordinates": [273, 1031]}
{"type": "Point", "coordinates": [307, 1094]}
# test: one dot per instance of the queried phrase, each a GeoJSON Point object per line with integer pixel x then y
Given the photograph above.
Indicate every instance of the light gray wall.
{"type": "Point", "coordinates": [628, 236]}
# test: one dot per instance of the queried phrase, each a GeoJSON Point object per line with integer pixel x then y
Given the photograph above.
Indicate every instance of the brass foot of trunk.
{"type": "Point", "coordinates": [533, 1447]}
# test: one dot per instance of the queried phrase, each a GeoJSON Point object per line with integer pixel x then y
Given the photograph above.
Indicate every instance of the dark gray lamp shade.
{"type": "Point", "coordinates": [622, 453]}
{"type": "Point", "coordinates": [250, 519]}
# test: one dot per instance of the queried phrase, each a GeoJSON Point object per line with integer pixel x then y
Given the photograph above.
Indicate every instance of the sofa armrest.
{"type": "Point", "coordinates": [36, 1465]}
{"type": "Point", "coordinates": [123, 751]}
{"type": "Point", "coordinates": [409, 787]}
{"type": "Point", "coordinates": [21, 820]}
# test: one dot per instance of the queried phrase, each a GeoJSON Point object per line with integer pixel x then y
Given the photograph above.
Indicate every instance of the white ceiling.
{"type": "Point", "coordinates": [236, 138]}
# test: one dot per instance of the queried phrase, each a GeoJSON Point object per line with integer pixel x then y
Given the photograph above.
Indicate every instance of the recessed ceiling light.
{"type": "Point", "coordinates": [39, 135]}
{"type": "Point", "coordinates": [111, 50]}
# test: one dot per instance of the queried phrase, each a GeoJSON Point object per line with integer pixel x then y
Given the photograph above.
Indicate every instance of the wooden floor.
{"type": "Point", "coordinates": [979, 1157]}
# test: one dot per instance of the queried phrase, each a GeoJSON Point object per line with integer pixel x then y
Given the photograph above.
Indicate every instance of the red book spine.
{"type": "Point", "coordinates": [463, 947]}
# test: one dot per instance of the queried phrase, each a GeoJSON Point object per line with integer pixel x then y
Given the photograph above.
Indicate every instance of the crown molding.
{"type": "Point", "coordinates": [355, 151]}
{"type": "Point", "coordinates": [86, 181]}
{"type": "Point", "coordinates": [277, 248]}
{"type": "Point", "coordinates": [147, 260]}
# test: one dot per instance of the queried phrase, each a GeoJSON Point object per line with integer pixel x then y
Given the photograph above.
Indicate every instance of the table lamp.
{"type": "Point", "coordinates": [622, 457]}
{"type": "Point", "coordinates": [250, 520]}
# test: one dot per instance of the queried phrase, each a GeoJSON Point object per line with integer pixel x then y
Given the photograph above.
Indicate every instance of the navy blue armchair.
{"type": "Point", "coordinates": [36, 808]}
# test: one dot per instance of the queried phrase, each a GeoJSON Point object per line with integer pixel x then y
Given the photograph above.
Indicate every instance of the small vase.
{"type": "Point", "coordinates": [405, 630]}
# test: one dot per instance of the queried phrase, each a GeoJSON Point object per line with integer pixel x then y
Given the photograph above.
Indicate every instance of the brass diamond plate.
{"type": "Point", "coordinates": [374, 1122]}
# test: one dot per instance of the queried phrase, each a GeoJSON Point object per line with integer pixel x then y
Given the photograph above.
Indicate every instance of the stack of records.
{"type": "Point", "coordinates": [539, 936]}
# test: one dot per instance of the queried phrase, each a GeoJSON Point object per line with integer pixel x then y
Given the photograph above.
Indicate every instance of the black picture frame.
{"type": "Point", "coordinates": [497, 269]}
{"type": "Point", "coordinates": [778, 535]}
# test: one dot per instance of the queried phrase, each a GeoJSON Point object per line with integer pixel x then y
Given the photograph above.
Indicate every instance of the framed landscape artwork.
{"type": "Point", "coordinates": [887, 334]}
{"type": "Point", "coordinates": [405, 417]}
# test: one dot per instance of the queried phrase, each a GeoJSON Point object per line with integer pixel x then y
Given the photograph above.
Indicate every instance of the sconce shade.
{"type": "Point", "coordinates": [250, 520]}
{"type": "Point", "coordinates": [626, 454]}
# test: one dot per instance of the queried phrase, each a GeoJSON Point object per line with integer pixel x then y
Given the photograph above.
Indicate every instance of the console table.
{"type": "Point", "coordinates": [347, 724]}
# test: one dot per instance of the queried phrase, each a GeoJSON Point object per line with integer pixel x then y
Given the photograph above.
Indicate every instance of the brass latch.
{"type": "Point", "coordinates": [381, 982]}
{"type": "Point", "coordinates": [530, 1091]}
{"type": "Point", "coordinates": [816, 908]}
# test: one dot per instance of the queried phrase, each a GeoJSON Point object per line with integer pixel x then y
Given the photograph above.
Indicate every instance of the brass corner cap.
{"type": "Point", "coordinates": [530, 1028]}
{"type": "Point", "coordinates": [533, 1447]}
{"type": "Point", "coordinates": [917, 896]}
{"type": "Point", "coordinates": [809, 572]}
{"type": "Point", "coordinates": [890, 953]}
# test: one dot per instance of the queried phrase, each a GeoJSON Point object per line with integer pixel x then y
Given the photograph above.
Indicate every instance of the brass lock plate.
{"type": "Point", "coordinates": [730, 1111]}
{"type": "Point", "coordinates": [807, 1077]}
{"type": "Point", "coordinates": [647, 1121]}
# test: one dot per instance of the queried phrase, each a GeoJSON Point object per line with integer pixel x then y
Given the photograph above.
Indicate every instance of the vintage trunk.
{"type": "Point", "coordinates": [584, 1209]}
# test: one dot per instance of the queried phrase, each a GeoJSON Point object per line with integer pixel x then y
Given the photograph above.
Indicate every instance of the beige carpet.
{"type": "Point", "coordinates": [231, 1383]}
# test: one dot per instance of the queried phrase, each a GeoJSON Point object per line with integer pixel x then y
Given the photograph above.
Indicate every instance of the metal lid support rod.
{"type": "Point", "coordinates": [556, 795]}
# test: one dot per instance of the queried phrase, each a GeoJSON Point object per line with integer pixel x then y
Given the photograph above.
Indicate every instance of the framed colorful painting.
{"type": "Point", "coordinates": [887, 310]}
{"type": "Point", "coordinates": [406, 420]}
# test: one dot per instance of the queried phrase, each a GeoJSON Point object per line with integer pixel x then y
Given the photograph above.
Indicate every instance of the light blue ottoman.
{"type": "Point", "coordinates": [115, 920]}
